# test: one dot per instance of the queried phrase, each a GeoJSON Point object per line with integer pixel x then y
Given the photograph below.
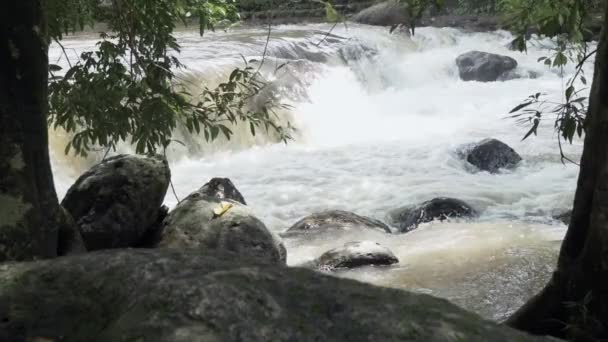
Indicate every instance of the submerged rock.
{"type": "Point", "coordinates": [356, 254]}
{"type": "Point", "coordinates": [441, 208]}
{"type": "Point", "coordinates": [178, 296]}
{"type": "Point", "coordinates": [334, 220]}
{"type": "Point", "coordinates": [222, 188]}
{"type": "Point", "coordinates": [116, 201]}
{"type": "Point", "coordinates": [209, 224]}
{"type": "Point", "coordinates": [483, 66]}
{"type": "Point", "coordinates": [492, 155]}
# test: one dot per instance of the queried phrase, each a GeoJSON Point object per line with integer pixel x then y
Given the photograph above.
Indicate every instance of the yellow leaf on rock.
{"type": "Point", "coordinates": [223, 208]}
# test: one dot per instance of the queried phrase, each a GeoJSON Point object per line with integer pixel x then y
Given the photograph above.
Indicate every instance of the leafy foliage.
{"type": "Point", "coordinates": [563, 20]}
{"type": "Point", "coordinates": [128, 89]}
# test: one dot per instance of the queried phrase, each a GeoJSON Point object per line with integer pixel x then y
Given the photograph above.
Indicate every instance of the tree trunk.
{"type": "Point", "coordinates": [30, 216]}
{"type": "Point", "coordinates": [575, 302]}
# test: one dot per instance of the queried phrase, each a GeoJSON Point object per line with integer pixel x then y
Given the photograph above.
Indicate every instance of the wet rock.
{"type": "Point", "coordinates": [161, 295]}
{"type": "Point", "coordinates": [386, 13]}
{"type": "Point", "coordinates": [208, 224]}
{"type": "Point", "coordinates": [483, 66]}
{"type": "Point", "coordinates": [69, 240]}
{"type": "Point", "coordinates": [441, 208]}
{"type": "Point", "coordinates": [492, 155]}
{"type": "Point", "coordinates": [332, 220]}
{"type": "Point", "coordinates": [564, 217]}
{"type": "Point", "coordinates": [356, 254]}
{"type": "Point", "coordinates": [222, 188]}
{"type": "Point", "coordinates": [116, 201]}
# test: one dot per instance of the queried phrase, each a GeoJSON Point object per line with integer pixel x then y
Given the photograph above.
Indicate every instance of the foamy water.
{"type": "Point", "coordinates": [380, 119]}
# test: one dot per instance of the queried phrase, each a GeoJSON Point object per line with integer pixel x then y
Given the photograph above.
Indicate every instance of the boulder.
{"type": "Point", "coordinates": [483, 66]}
{"type": "Point", "coordinates": [118, 200]}
{"type": "Point", "coordinates": [161, 295]}
{"type": "Point", "coordinates": [209, 224]}
{"type": "Point", "coordinates": [222, 188]}
{"type": "Point", "coordinates": [492, 155]}
{"type": "Point", "coordinates": [332, 220]}
{"type": "Point", "coordinates": [441, 208]}
{"type": "Point", "coordinates": [356, 254]}
{"type": "Point", "coordinates": [387, 13]}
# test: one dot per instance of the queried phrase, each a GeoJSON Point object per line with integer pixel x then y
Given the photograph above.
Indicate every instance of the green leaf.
{"type": "Point", "coordinates": [569, 92]}
{"type": "Point", "coordinates": [54, 67]}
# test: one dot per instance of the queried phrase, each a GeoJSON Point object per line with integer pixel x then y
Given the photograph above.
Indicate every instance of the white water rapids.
{"type": "Point", "coordinates": [380, 118]}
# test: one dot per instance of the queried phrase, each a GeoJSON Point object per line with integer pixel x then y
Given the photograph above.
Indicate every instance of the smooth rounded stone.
{"type": "Point", "coordinates": [387, 13]}
{"type": "Point", "coordinates": [356, 254]}
{"type": "Point", "coordinates": [222, 188]}
{"type": "Point", "coordinates": [483, 66]}
{"type": "Point", "coordinates": [195, 224]}
{"type": "Point", "coordinates": [334, 220]}
{"type": "Point", "coordinates": [118, 200]}
{"type": "Point", "coordinates": [492, 155]}
{"type": "Point", "coordinates": [161, 295]}
{"type": "Point", "coordinates": [442, 208]}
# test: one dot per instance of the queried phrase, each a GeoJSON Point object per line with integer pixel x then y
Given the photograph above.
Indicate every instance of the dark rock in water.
{"type": "Point", "coordinates": [564, 217]}
{"type": "Point", "coordinates": [492, 155]}
{"type": "Point", "coordinates": [356, 254]}
{"type": "Point", "coordinates": [208, 224]}
{"type": "Point", "coordinates": [441, 208]}
{"type": "Point", "coordinates": [222, 188]}
{"type": "Point", "coordinates": [386, 13]}
{"type": "Point", "coordinates": [116, 201]}
{"type": "Point", "coordinates": [334, 220]}
{"type": "Point", "coordinates": [483, 66]}
{"type": "Point", "coordinates": [161, 295]}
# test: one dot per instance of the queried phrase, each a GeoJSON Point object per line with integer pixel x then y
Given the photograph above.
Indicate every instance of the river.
{"type": "Point", "coordinates": [381, 118]}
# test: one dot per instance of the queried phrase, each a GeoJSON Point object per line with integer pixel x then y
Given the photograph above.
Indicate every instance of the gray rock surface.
{"type": "Point", "coordinates": [356, 254]}
{"type": "Point", "coordinates": [441, 208]}
{"type": "Point", "coordinates": [176, 296]}
{"type": "Point", "coordinates": [483, 66]}
{"type": "Point", "coordinates": [334, 220]}
{"type": "Point", "coordinates": [493, 155]}
{"type": "Point", "coordinates": [195, 224]}
{"type": "Point", "coordinates": [116, 201]}
{"type": "Point", "coordinates": [222, 188]}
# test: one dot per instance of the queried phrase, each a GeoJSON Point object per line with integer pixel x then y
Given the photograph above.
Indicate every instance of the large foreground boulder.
{"type": "Point", "coordinates": [118, 200]}
{"type": "Point", "coordinates": [441, 208]}
{"type": "Point", "coordinates": [332, 220]}
{"type": "Point", "coordinates": [176, 296]}
{"type": "Point", "coordinates": [209, 224]}
{"type": "Point", "coordinates": [483, 66]}
{"type": "Point", "coordinates": [356, 254]}
{"type": "Point", "coordinates": [492, 155]}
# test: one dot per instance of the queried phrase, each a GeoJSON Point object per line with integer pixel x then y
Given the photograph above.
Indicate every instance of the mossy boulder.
{"type": "Point", "coordinates": [206, 223]}
{"type": "Point", "coordinates": [118, 200]}
{"type": "Point", "coordinates": [177, 296]}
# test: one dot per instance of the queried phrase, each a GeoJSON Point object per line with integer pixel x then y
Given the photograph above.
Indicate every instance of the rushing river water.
{"type": "Point", "coordinates": [380, 119]}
